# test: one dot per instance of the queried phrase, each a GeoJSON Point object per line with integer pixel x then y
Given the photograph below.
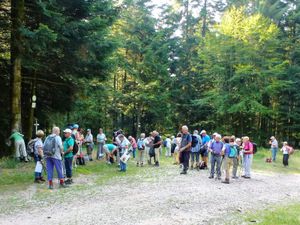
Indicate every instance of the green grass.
{"type": "Point", "coordinates": [283, 215]}
{"type": "Point", "coordinates": [15, 176]}
{"type": "Point", "coordinates": [259, 162]}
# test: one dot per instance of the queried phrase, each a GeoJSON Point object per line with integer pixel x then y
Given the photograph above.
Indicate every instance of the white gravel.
{"type": "Point", "coordinates": [155, 196]}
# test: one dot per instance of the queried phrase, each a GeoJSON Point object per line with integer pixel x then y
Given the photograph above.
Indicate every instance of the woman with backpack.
{"type": "Point", "coordinates": [286, 150]}
{"type": "Point", "coordinates": [229, 152]}
{"type": "Point", "coordinates": [247, 156]}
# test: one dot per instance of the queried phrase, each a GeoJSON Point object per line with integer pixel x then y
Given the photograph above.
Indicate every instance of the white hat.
{"type": "Point", "coordinates": [68, 131]}
{"type": "Point", "coordinates": [203, 132]}
{"type": "Point", "coordinates": [215, 134]}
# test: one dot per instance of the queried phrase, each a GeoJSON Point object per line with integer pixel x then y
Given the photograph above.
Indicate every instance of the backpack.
{"type": "Point", "coordinates": [49, 146]}
{"type": "Point", "coordinates": [140, 144]}
{"type": "Point", "coordinates": [30, 147]}
{"type": "Point", "coordinates": [254, 147]}
{"type": "Point", "coordinates": [194, 141]}
{"type": "Point", "coordinates": [151, 152]}
{"type": "Point", "coordinates": [291, 150]}
{"type": "Point", "coordinates": [75, 146]}
{"type": "Point", "coordinates": [232, 152]}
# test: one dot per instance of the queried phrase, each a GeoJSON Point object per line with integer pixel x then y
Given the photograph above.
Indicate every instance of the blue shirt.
{"type": "Point", "coordinates": [227, 149]}
{"type": "Point", "coordinates": [186, 139]}
{"type": "Point", "coordinates": [205, 139]}
{"type": "Point", "coordinates": [217, 147]}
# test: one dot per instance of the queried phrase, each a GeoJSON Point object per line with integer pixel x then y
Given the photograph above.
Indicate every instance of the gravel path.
{"type": "Point", "coordinates": [155, 196]}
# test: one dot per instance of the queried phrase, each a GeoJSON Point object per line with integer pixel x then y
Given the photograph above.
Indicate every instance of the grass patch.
{"type": "Point", "coordinates": [16, 176]}
{"type": "Point", "coordinates": [259, 163]}
{"type": "Point", "coordinates": [283, 215]}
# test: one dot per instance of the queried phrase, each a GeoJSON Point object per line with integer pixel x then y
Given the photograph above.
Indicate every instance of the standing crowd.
{"type": "Point", "coordinates": [191, 151]}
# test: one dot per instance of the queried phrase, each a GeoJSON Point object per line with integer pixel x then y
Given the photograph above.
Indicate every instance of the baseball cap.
{"type": "Point", "coordinates": [68, 131]}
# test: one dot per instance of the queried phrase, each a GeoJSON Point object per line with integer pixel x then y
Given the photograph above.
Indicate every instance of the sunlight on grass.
{"type": "Point", "coordinates": [283, 215]}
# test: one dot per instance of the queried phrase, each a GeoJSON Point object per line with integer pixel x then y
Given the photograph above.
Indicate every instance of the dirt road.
{"type": "Point", "coordinates": [154, 196]}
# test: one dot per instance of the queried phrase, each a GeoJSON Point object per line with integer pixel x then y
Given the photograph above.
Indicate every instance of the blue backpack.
{"type": "Point", "coordinates": [233, 152]}
{"type": "Point", "coordinates": [140, 144]}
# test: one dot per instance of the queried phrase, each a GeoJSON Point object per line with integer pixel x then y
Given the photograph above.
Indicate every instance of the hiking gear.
{"type": "Point", "coordinates": [140, 144]}
{"type": "Point", "coordinates": [226, 181]}
{"type": "Point", "coordinates": [42, 179]}
{"type": "Point", "coordinates": [152, 152]}
{"type": "Point", "coordinates": [49, 146]}
{"type": "Point", "coordinates": [211, 177]}
{"type": "Point", "coordinates": [291, 150]}
{"type": "Point", "coordinates": [194, 141]}
{"type": "Point", "coordinates": [183, 172]}
{"type": "Point", "coordinates": [37, 180]}
{"type": "Point", "coordinates": [233, 152]}
{"type": "Point", "coordinates": [254, 147]}
{"type": "Point", "coordinates": [30, 147]}
{"type": "Point", "coordinates": [63, 185]}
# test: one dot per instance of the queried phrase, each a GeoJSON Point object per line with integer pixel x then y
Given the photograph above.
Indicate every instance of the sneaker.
{"type": "Point", "coordinates": [63, 185]}
{"type": "Point", "coordinates": [37, 181]}
{"type": "Point", "coordinates": [68, 181]}
{"type": "Point", "coordinates": [50, 187]}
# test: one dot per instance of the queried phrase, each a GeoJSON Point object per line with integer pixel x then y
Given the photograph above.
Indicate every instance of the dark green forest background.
{"type": "Point", "coordinates": [228, 66]}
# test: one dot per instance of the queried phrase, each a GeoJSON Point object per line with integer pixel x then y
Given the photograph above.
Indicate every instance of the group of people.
{"type": "Point", "coordinates": [190, 151]}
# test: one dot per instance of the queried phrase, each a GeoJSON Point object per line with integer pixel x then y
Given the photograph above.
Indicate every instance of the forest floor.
{"type": "Point", "coordinates": [150, 196]}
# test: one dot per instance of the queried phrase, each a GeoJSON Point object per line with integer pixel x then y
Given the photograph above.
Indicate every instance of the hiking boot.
{"type": "Point", "coordinates": [50, 187]}
{"type": "Point", "coordinates": [211, 177]}
{"type": "Point", "coordinates": [156, 164]}
{"type": "Point", "coordinates": [218, 178]}
{"type": "Point", "coordinates": [235, 177]}
{"type": "Point", "coordinates": [68, 181]}
{"type": "Point", "coordinates": [37, 181]}
{"type": "Point", "coordinates": [63, 185]}
{"type": "Point", "coordinates": [247, 177]}
{"type": "Point", "coordinates": [42, 179]}
{"type": "Point", "coordinates": [183, 172]}
{"type": "Point", "coordinates": [226, 181]}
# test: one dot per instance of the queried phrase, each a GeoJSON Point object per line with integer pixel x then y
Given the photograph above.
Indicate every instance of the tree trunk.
{"type": "Point", "coordinates": [17, 17]}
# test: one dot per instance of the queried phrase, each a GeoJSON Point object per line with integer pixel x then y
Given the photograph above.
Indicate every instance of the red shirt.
{"type": "Point", "coordinates": [247, 147]}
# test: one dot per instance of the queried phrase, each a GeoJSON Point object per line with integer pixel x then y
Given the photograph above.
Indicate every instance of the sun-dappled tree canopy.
{"type": "Point", "coordinates": [231, 66]}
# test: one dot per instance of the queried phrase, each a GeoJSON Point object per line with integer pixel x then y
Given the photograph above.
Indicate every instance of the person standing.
{"type": "Point", "coordinates": [141, 150]}
{"type": "Point", "coordinates": [38, 156]}
{"type": "Point", "coordinates": [177, 148]}
{"type": "Point", "coordinates": [274, 147]}
{"type": "Point", "coordinates": [229, 152]}
{"type": "Point", "coordinates": [286, 151]}
{"type": "Point", "coordinates": [89, 141]}
{"type": "Point", "coordinates": [204, 148]}
{"type": "Point", "coordinates": [101, 139]}
{"type": "Point", "coordinates": [168, 147]}
{"type": "Point", "coordinates": [237, 159]}
{"type": "Point", "coordinates": [195, 149]}
{"type": "Point", "coordinates": [53, 159]}
{"type": "Point", "coordinates": [68, 154]}
{"type": "Point", "coordinates": [216, 158]}
{"type": "Point", "coordinates": [133, 145]}
{"type": "Point", "coordinates": [148, 144]}
{"type": "Point", "coordinates": [124, 146]}
{"type": "Point", "coordinates": [185, 147]}
{"type": "Point", "coordinates": [247, 156]}
{"type": "Point", "coordinates": [20, 148]}
{"type": "Point", "coordinates": [156, 145]}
